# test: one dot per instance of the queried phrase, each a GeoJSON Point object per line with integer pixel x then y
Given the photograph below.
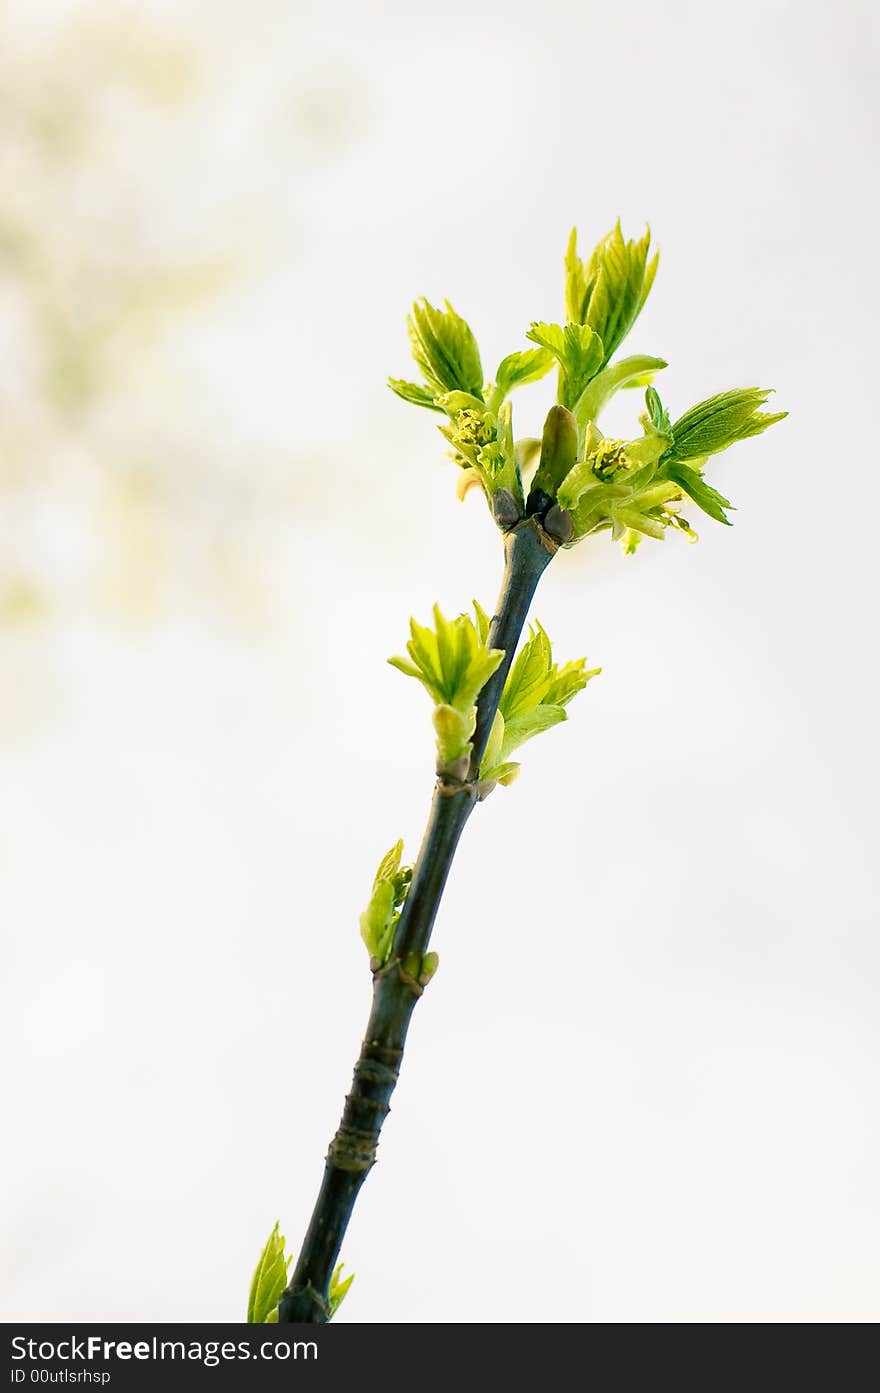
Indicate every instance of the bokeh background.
{"type": "Point", "coordinates": [643, 1086]}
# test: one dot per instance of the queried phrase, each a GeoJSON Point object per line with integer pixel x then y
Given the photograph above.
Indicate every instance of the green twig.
{"type": "Point", "coordinates": [528, 550]}
{"type": "Point", "coordinates": [586, 484]}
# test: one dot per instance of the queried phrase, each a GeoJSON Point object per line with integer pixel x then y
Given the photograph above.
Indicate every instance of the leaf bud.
{"type": "Point", "coordinates": [558, 523]}
{"type": "Point", "coordinates": [505, 509]}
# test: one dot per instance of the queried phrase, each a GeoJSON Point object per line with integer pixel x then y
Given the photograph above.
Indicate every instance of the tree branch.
{"type": "Point", "coordinates": [352, 1153]}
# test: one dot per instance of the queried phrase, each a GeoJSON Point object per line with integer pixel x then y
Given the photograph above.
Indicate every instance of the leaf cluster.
{"type": "Point", "coordinates": [339, 1287]}
{"type": "Point", "coordinates": [608, 290]}
{"type": "Point", "coordinates": [380, 918]}
{"type": "Point", "coordinates": [604, 296]}
{"type": "Point", "coordinates": [453, 663]}
{"type": "Point", "coordinates": [269, 1281]}
{"type": "Point", "coordinates": [534, 699]}
{"type": "Point", "coordinates": [634, 487]}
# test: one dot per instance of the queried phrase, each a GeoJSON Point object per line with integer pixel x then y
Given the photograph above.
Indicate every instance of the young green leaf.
{"type": "Point", "coordinates": [377, 929]}
{"type": "Point", "coordinates": [657, 413]}
{"type": "Point", "coordinates": [450, 661]}
{"type": "Point", "coordinates": [580, 279]}
{"type": "Point", "coordinates": [529, 676]}
{"type": "Point", "coordinates": [519, 729]}
{"type": "Point", "coordinates": [694, 485]}
{"type": "Point", "coordinates": [500, 460]}
{"type": "Point", "coordinates": [579, 352]}
{"type": "Point", "coordinates": [389, 867]}
{"type": "Point", "coordinates": [567, 681]}
{"type": "Point", "coordinates": [268, 1282]}
{"type": "Point", "coordinates": [379, 919]}
{"type": "Point", "coordinates": [609, 290]}
{"type": "Point", "coordinates": [413, 393]}
{"type": "Point", "coordinates": [338, 1290]}
{"type": "Point", "coordinates": [714, 424]}
{"type": "Point", "coordinates": [535, 694]}
{"type": "Point", "coordinates": [445, 350]}
{"type": "Point", "coordinates": [453, 664]}
{"type": "Point", "coordinates": [631, 518]}
{"type": "Point", "coordinates": [519, 368]}
{"type": "Point", "coordinates": [481, 623]}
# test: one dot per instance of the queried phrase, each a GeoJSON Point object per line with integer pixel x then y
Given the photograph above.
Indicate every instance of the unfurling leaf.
{"type": "Point", "coordinates": [445, 350]}
{"type": "Point", "coordinates": [379, 919]}
{"type": "Point", "coordinates": [413, 393]}
{"type": "Point", "coordinates": [338, 1290]}
{"type": "Point", "coordinates": [269, 1281]}
{"type": "Point", "coordinates": [636, 487]}
{"type": "Point", "coordinates": [519, 368]}
{"type": "Point", "coordinates": [567, 681]}
{"type": "Point", "coordinates": [481, 623]}
{"type": "Point", "coordinates": [451, 661]}
{"type": "Point", "coordinates": [453, 664]}
{"type": "Point", "coordinates": [529, 675]}
{"type": "Point", "coordinates": [658, 416]}
{"type": "Point", "coordinates": [703, 494]}
{"type": "Point", "coordinates": [535, 694]}
{"type": "Point", "coordinates": [713, 425]}
{"type": "Point", "coordinates": [577, 349]}
{"type": "Point", "coordinates": [608, 291]}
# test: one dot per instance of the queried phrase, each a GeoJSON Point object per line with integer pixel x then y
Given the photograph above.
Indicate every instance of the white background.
{"type": "Point", "coordinates": [643, 1086]}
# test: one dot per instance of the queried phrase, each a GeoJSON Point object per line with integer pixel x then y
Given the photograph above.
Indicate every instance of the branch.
{"type": "Point", "coordinates": [352, 1153]}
